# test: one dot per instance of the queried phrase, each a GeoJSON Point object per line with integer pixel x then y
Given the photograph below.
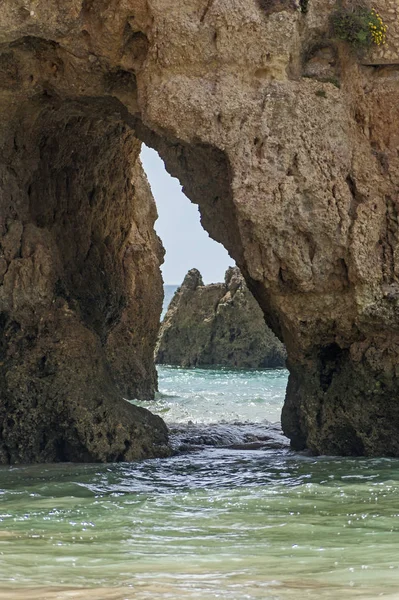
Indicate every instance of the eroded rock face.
{"type": "Point", "coordinates": [81, 290]}
{"type": "Point", "coordinates": [296, 176]}
{"type": "Point", "coordinates": [217, 324]}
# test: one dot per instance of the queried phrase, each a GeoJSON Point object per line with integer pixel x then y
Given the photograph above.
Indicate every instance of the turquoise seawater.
{"type": "Point", "coordinates": [219, 521]}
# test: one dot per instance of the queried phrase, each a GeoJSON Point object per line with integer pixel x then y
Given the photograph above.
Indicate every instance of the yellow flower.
{"type": "Point", "coordinates": [377, 28]}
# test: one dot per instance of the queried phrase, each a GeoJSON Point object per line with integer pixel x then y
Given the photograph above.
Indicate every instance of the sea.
{"type": "Point", "coordinates": [234, 514]}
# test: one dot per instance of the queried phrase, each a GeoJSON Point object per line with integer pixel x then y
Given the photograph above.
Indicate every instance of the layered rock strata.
{"type": "Point", "coordinates": [287, 141]}
{"type": "Point", "coordinates": [217, 324]}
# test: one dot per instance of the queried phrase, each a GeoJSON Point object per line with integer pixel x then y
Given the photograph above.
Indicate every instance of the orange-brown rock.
{"type": "Point", "coordinates": [219, 324]}
{"type": "Point", "coordinates": [286, 140]}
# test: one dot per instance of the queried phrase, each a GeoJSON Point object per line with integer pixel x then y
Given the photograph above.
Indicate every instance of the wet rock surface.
{"type": "Point", "coordinates": [217, 324]}
{"type": "Point", "coordinates": [235, 436]}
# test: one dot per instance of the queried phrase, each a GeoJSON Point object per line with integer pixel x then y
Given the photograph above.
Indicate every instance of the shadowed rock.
{"type": "Point", "coordinates": [80, 292]}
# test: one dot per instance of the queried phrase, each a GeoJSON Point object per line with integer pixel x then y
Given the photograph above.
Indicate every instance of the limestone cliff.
{"type": "Point", "coordinates": [286, 140]}
{"type": "Point", "coordinates": [217, 324]}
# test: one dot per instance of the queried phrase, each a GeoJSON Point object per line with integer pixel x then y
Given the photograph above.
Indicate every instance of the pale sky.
{"type": "Point", "coordinates": [187, 245]}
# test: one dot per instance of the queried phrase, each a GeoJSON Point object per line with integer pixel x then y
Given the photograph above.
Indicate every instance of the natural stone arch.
{"type": "Point", "coordinates": [299, 186]}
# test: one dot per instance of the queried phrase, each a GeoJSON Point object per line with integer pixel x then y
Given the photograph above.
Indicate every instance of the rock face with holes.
{"type": "Point", "coordinates": [217, 324]}
{"type": "Point", "coordinates": [286, 140]}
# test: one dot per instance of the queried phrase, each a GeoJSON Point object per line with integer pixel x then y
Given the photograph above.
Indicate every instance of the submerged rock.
{"type": "Point", "coordinates": [236, 436]}
{"type": "Point", "coordinates": [217, 324]}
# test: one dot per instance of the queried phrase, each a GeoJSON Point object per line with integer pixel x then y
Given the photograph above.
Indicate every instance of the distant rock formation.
{"type": "Point", "coordinates": [217, 324]}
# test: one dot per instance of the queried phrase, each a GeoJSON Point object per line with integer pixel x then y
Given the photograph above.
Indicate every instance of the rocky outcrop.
{"type": "Point", "coordinates": [286, 140]}
{"type": "Point", "coordinates": [80, 292]}
{"type": "Point", "coordinates": [217, 324]}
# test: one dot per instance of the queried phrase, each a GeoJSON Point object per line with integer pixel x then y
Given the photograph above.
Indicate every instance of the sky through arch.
{"type": "Point", "coordinates": [186, 243]}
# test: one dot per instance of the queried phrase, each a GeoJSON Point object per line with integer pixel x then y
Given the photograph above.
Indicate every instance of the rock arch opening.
{"type": "Point", "coordinates": [218, 89]}
{"type": "Point", "coordinates": [187, 244]}
{"type": "Point", "coordinates": [81, 288]}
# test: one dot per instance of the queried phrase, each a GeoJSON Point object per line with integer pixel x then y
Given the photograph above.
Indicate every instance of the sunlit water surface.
{"type": "Point", "coordinates": [217, 522]}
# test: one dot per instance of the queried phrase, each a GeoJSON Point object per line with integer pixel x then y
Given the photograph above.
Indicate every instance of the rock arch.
{"type": "Point", "coordinates": [300, 187]}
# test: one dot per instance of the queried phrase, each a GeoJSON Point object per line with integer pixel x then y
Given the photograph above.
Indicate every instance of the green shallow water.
{"type": "Point", "coordinates": [216, 523]}
{"type": "Point", "coordinates": [220, 395]}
